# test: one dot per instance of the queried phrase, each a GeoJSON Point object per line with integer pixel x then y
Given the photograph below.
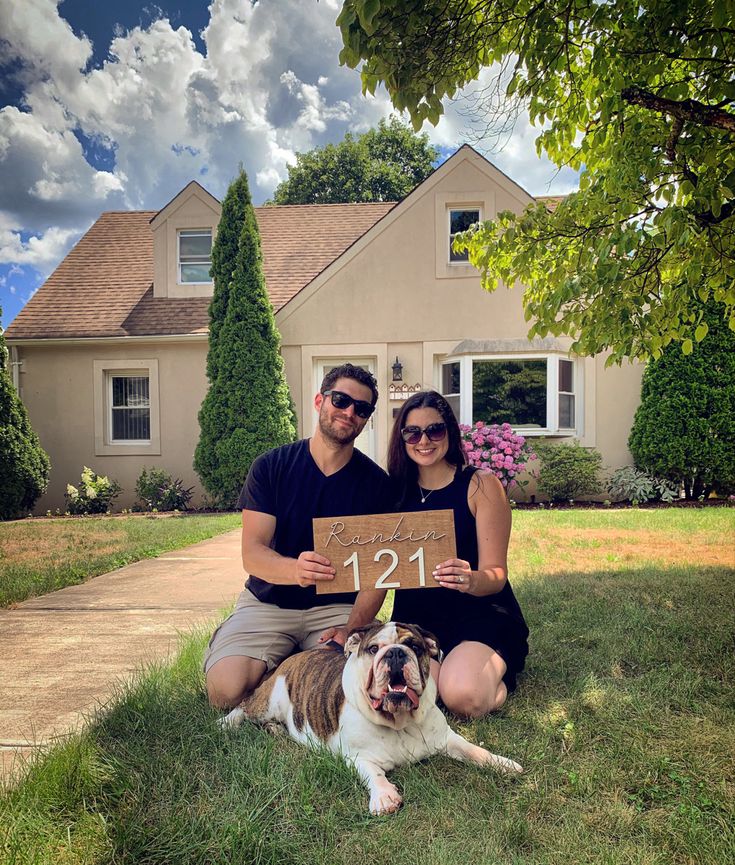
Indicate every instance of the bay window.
{"type": "Point", "coordinates": [535, 394]}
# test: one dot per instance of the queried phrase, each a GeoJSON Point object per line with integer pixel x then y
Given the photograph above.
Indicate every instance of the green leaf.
{"type": "Point", "coordinates": [687, 346]}
{"type": "Point", "coordinates": [701, 331]}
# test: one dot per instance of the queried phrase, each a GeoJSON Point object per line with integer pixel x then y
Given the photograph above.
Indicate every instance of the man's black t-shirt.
{"type": "Point", "coordinates": [287, 483]}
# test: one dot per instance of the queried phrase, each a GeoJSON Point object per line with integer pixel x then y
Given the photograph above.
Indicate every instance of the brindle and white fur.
{"type": "Point", "coordinates": [375, 705]}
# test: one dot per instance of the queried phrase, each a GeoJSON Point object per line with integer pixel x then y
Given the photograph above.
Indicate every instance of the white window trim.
{"type": "Point", "coordinates": [109, 376]}
{"type": "Point", "coordinates": [450, 208]}
{"type": "Point", "coordinates": [552, 389]}
{"type": "Point", "coordinates": [484, 202]}
{"type": "Point", "coordinates": [573, 392]}
{"type": "Point", "coordinates": [191, 231]}
{"type": "Point", "coordinates": [103, 443]}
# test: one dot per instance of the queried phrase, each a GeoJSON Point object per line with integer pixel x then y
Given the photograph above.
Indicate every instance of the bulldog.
{"type": "Point", "coordinates": [374, 703]}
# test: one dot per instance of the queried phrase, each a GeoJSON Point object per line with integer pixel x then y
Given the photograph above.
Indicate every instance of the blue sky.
{"type": "Point", "coordinates": [116, 106]}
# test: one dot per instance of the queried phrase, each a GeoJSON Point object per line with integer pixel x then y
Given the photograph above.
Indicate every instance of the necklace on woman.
{"type": "Point", "coordinates": [424, 493]}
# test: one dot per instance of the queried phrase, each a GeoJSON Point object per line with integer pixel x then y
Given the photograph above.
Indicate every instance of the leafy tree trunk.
{"type": "Point", "coordinates": [248, 408]}
{"type": "Point", "coordinates": [24, 465]}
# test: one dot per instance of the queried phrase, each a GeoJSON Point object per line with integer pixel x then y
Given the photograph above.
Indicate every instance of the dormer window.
{"type": "Point", "coordinates": [460, 220]}
{"type": "Point", "coordinates": [195, 256]}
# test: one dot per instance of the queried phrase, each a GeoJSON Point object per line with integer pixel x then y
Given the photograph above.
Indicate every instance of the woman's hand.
{"type": "Point", "coordinates": [455, 574]}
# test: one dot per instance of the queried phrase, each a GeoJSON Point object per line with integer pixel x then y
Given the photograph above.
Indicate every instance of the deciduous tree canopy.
{"type": "Point", "coordinates": [383, 164]}
{"type": "Point", "coordinates": [638, 96]}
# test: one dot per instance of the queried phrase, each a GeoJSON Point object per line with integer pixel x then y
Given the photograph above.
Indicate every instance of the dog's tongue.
{"type": "Point", "coordinates": [377, 702]}
{"type": "Point", "coordinates": [413, 697]}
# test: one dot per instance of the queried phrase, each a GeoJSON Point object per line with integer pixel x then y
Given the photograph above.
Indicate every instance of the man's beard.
{"type": "Point", "coordinates": [334, 433]}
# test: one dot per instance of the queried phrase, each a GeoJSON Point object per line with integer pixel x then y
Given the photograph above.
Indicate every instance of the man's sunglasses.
{"type": "Point", "coordinates": [435, 432]}
{"type": "Point", "coordinates": [363, 409]}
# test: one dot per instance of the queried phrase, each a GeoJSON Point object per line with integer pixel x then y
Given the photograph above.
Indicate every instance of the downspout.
{"type": "Point", "coordinates": [15, 367]}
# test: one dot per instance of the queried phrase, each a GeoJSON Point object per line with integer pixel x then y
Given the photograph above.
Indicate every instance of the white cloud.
{"type": "Point", "coordinates": [34, 32]}
{"type": "Point", "coordinates": [40, 251]}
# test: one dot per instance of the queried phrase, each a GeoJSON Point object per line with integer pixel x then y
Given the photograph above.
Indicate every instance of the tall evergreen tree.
{"type": "Point", "coordinates": [224, 256]}
{"type": "Point", "coordinates": [24, 465]}
{"type": "Point", "coordinates": [247, 409]}
{"type": "Point", "coordinates": [684, 428]}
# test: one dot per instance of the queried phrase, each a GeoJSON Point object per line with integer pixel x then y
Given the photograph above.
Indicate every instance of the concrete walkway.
{"type": "Point", "coordinates": [61, 654]}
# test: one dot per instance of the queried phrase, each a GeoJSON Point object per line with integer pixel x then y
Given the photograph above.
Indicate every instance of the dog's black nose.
{"type": "Point", "coordinates": [395, 658]}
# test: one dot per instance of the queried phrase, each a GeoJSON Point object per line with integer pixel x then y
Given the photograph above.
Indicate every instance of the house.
{"type": "Point", "coordinates": [109, 355]}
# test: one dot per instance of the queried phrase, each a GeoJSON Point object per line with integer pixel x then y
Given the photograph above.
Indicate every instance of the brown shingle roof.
{"type": "Point", "coordinates": [104, 286]}
{"type": "Point", "coordinates": [551, 201]}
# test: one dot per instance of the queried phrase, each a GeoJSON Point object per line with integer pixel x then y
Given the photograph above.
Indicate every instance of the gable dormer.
{"type": "Point", "coordinates": [183, 233]}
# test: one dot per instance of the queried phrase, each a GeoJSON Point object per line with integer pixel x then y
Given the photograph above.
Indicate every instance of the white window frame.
{"type": "Point", "coordinates": [104, 371]}
{"type": "Point", "coordinates": [192, 232]}
{"type": "Point", "coordinates": [573, 392]}
{"type": "Point", "coordinates": [552, 359]}
{"type": "Point", "coordinates": [456, 208]}
{"type": "Point", "coordinates": [109, 377]}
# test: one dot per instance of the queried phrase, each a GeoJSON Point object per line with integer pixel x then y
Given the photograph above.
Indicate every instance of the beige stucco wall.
{"type": "Point", "coordinates": [618, 398]}
{"type": "Point", "coordinates": [57, 387]}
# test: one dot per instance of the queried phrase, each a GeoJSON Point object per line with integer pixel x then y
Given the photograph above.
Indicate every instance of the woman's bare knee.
{"type": "Point", "coordinates": [469, 702]}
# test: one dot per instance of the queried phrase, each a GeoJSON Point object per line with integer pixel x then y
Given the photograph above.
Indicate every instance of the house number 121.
{"type": "Point", "coordinates": [382, 581]}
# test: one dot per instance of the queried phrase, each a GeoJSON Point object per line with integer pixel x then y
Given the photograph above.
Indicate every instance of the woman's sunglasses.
{"type": "Point", "coordinates": [435, 432]}
{"type": "Point", "coordinates": [363, 409]}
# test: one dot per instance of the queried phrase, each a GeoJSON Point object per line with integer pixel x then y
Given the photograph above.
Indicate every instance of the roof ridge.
{"type": "Point", "coordinates": [327, 204]}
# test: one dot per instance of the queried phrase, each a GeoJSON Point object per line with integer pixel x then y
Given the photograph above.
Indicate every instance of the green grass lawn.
{"type": "Point", "coordinates": [624, 723]}
{"type": "Point", "coordinates": [40, 556]}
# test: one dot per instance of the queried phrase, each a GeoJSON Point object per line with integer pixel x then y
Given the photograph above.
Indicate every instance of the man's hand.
{"type": "Point", "coordinates": [339, 635]}
{"type": "Point", "coordinates": [311, 567]}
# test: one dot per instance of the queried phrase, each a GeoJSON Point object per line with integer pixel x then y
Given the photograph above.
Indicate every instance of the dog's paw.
{"type": "Point", "coordinates": [385, 800]}
{"type": "Point", "coordinates": [503, 764]}
{"type": "Point", "coordinates": [231, 720]}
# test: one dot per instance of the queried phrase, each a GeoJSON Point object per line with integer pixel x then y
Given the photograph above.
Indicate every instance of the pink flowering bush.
{"type": "Point", "coordinates": [496, 448]}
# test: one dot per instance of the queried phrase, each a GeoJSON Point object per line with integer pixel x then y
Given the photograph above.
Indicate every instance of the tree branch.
{"type": "Point", "coordinates": [688, 109]}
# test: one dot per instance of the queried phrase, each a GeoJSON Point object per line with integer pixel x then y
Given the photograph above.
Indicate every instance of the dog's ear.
{"type": "Point", "coordinates": [352, 643]}
{"type": "Point", "coordinates": [432, 644]}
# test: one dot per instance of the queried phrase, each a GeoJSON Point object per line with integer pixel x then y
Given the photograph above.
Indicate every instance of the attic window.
{"type": "Point", "coordinates": [195, 256]}
{"type": "Point", "coordinates": [460, 220]}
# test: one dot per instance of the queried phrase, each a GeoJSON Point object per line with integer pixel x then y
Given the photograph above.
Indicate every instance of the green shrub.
{"type": "Point", "coordinates": [159, 492]}
{"type": "Point", "coordinates": [684, 428]}
{"type": "Point", "coordinates": [633, 485]}
{"type": "Point", "coordinates": [568, 471]}
{"type": "Point", "coordinates": [24, 465]}
{"type": "Point", "coordinates": [94, 495]}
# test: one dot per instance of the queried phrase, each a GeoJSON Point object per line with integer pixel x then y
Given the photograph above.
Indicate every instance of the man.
{"type": "Point", "coordinates": [324, 476]}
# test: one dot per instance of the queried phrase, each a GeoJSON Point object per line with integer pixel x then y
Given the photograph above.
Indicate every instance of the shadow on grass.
{"type": "Point", "coordinates": [623, 721]}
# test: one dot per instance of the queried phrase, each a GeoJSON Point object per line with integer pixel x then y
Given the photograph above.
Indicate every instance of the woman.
{"type": "Point", "coordinates": [474, 613]}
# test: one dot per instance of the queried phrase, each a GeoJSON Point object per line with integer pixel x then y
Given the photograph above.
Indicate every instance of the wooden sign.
{"type": "Point", "coordinates": [384, 551]}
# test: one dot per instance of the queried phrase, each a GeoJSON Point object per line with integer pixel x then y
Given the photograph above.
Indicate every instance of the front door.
{"type": "Point", "coordinates": [365, 442]}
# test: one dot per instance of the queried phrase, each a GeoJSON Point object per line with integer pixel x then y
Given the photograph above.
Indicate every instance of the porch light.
{"type": "Point", "coordinates": [397, 370]}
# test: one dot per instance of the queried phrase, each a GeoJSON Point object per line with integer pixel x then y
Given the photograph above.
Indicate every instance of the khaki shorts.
{"type": "Point", "coordinates": [270, 633]}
